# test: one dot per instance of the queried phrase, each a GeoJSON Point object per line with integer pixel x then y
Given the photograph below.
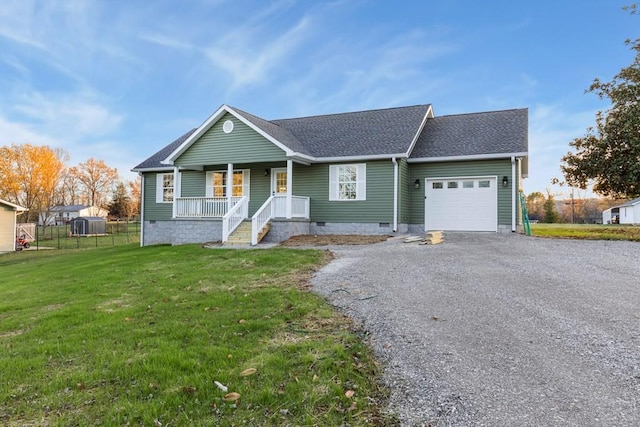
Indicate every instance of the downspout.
{"type": "Point", "coordinates": [141, 209]}
{"type": "Point", "coordinates": [395, 194]}
{"type": "Point", "coordinates": [513, 194]}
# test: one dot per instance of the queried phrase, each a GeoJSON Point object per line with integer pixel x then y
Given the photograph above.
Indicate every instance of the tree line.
{"type": "Point", "coordinates": [38, 178]}
{"type": "Point", "coordinates": [577, 209]}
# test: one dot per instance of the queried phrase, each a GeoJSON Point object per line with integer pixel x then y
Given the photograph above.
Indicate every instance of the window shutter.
{"type": "Point", "coordinates": [333, 182]}
{"type": "Point", "coordinates": [361, 192]}
{"type": "Point", "coordinates": [209, 184]}
{"type": "Point", "coordinates": [245, 183]}
{"type": "Point", "coordinates": [159, 184]}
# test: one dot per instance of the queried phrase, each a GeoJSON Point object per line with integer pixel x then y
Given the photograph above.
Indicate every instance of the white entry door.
{"type": "Point", "coordinates": [279, 190]}
{"type": "Point", "coordinates": [461, 204]}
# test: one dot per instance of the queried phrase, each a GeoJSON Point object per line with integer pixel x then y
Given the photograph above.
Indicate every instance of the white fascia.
{"type": "Point", "coordinates": [465, 158]}
{"type": "Point", "coordinates": [156, 169]}
{"type": "Point", "coordinates": [428, 115]}
{"type": "Point", "coordinates": [213, 119]}
{"type": "Point", "coordinates": [357, 158]}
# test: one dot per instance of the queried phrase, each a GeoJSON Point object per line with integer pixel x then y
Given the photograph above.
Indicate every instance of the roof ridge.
{"type": "Point", "coordinates": [348, 112]}
{"type": "Point", "coordinates": [482, 112]}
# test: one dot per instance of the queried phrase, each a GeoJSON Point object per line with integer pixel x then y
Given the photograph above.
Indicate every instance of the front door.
{"type": "Point", "coordinates": [279, 190]}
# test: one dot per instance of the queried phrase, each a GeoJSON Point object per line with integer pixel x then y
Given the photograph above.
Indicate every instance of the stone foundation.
{"type": "Point", "coordinates": [353, 228]}
{"type": "Point", "coordinates": [282, 230]}
{"type": "Point", "coordinates": [180, 232]}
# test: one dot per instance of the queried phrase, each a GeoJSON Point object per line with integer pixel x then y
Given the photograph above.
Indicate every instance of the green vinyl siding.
{"type": "Point", "coordinates": [499, 168]}
{"type": "Point", "coordinates": [193, 184]}
{"type": "Point", "coordinates": [242, 145]}
{"type": "Point", "coordinates": [404, 188]}
{"type": "Point", "coordinates": [154, 211]}
{"type": "Point", "coordinates": [313, 181]}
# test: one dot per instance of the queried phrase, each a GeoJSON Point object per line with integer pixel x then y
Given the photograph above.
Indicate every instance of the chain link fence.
{"type": "Point", "coordinates": [62, 236]}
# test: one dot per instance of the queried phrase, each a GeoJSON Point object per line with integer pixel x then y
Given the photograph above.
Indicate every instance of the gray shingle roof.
{"type": "Point", "coordinates": [387, 132]}
{"type": "Point", "coordinates": [155, 160]}
{"type": "Point", "coordinates": [630, 203]}
{"type": "Point", "coordinates": [363, 133]}
{"type": "Point", "coordinates": [495, 132]}
{"type": "Point", "coordinates": [280, 133]}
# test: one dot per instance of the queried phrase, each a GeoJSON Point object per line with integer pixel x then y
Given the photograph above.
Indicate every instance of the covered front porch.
{"type": "Point", "coordinates": [254, 194]}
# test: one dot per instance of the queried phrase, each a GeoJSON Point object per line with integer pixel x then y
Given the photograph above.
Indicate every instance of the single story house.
{"type": "Point", "coordinates": [627, 213]}
{"type": "Point", "coordinates": [395, 170]}
{"type": "Point", "coordinates": [60, 215]}
{"type": "Point", "coordinates": [8, 225]}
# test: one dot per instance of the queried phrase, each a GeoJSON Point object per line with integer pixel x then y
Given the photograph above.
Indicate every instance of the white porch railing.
{"type": "Point", "coordinates": [299, 207]}
{"type": "Point", "coordinates": [262, 217]}
{"type": "Point", "coordinates": [203, 207]}
{"type": "Point", "coordinates": [232, 219]}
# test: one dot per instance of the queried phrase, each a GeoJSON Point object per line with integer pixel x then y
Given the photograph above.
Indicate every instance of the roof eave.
{"type": "Point", "coordinates": [359, 158]}
{"type": "Point", "coordinates": [468, 157]}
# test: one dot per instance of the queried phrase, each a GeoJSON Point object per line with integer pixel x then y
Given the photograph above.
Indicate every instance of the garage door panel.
{"type": "Point", "coordinates": [461, 204]}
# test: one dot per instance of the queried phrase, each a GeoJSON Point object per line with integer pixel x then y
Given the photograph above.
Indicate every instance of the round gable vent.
{"type": "Point", "coordinates": [227, 126]}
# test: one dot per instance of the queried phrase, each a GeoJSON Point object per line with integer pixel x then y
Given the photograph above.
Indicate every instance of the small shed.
{"type": "Point", "coordinates": [88, 226]}
{"type": "Point", "coordinates": [8, 213]}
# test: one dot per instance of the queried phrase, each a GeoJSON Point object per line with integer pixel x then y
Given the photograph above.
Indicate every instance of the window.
{"type": "Point", "coordinates": [348, 182]}
{"type": "Point", "coordinates": [217, 183]}
{"type": "Point", "coordinates": [484, 183]}
{"type": "Point", "coordinates": [452, 184]}
{"type": "Point", "coordinates": [467, 184]}
{"type": "Point", "coordinates": [436, 185]}
{"type": "Point", "coordinates": [164, 188]}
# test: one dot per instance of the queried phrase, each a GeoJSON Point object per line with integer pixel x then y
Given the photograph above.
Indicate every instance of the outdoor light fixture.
{"type": "Point", "coordinates": [505, 181]}
{"type": "Point", "coordinates": [266, 172]}
{"type": "Point", "coordinates": [416, 184]}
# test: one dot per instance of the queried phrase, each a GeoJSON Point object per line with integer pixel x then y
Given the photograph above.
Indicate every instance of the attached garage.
{"type": "Point", "coordinates": [461, 203]}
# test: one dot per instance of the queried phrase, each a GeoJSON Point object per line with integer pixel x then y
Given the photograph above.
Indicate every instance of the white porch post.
{"type": "Point", "coordinates": [289, 187]}
{"type": "Point", "coordinates": [176, 190]}
{"type": "Point", "coordinates": [229, 186]}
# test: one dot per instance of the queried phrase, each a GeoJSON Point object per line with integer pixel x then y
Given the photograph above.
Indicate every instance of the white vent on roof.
{"type": "Point", "coordinates": [227, 126]}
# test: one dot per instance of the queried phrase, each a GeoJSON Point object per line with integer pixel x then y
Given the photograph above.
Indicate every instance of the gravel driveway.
{"type": "Point", "coordinates": [499, 330]}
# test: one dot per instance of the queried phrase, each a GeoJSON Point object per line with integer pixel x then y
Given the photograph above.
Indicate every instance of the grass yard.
{"type": "Point", "coordinates": [138, 336]}
{"type": "Point", "coordinates": [587, 231]}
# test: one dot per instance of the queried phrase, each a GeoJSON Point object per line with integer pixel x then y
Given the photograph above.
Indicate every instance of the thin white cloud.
{"type": "Point", "coordinates": [249, 62]}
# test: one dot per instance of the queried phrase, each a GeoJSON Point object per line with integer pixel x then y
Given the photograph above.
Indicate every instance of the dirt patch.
{"type": "Point", "coordinates": [333, 239]}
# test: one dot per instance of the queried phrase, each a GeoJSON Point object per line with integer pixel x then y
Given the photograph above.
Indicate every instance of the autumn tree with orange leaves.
{"type": "Point", "coordinates": [96, 180]}
{"type": "Point", "coordinates": [30, 176]}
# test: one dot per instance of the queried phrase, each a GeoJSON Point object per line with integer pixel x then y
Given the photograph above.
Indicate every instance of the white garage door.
{"type": "Point", "coordinates": [461, 204]}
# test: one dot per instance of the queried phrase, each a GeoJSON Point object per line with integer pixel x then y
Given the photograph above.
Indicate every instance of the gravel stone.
{"type": "Point", "coordinates": [498, 329]}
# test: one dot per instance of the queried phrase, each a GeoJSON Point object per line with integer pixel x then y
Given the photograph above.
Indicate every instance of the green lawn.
{"type": "Point", "coordinates": [137, 336]}
{"type": "Point", "coordinates": [587, 231]}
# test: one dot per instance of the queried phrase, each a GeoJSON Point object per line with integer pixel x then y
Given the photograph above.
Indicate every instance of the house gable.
{"type": "Point", "coordinates": [243, 144]}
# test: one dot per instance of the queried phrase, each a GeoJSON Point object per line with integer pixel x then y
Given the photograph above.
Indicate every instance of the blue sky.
{"type": "Point", "coordinates": [117, 80]}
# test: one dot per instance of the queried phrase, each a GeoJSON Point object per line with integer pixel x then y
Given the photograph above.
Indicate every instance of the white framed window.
{"type": "Point", "coordinates": [348, 182]}
{"type": "Point", "coordinates": [164, 188]}
{"type": "Point", "coordinates": [217, 183]}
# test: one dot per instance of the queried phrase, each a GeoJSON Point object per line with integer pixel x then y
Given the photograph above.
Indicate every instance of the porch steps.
{"type": "Point", "coordinates": [241, 236]}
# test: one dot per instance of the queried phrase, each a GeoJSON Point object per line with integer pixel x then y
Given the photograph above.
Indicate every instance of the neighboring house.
{"type": "Point", "coordinates": [393, 170]}
{"type": "Point", "coordinates": [8, 224]}
{"type": "Point", "coordinates": [611, 215]}
{"type": "Point", "coordinates": [630, 212]}
{"type": "Point", "coordinates": [59, 215]}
